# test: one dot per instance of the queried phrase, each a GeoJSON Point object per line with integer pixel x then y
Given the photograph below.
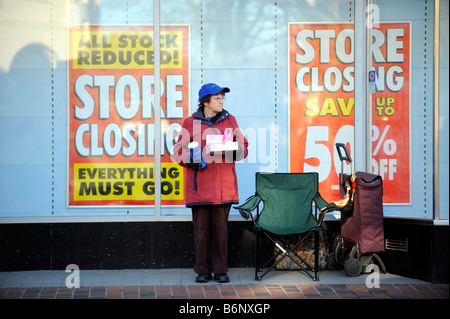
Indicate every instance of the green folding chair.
{"type": "Point", "coordinates": [287, 210]}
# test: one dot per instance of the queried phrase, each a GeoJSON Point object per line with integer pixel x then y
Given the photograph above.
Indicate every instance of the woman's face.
{"type": "Point", "coordinates": [215, 105]}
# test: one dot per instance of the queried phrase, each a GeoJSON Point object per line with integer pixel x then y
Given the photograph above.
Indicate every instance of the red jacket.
{"type": "Point", "coordinates": [216, 183]}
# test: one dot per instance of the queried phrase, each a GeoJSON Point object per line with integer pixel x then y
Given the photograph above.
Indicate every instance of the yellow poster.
{"type": "Point", "coordinates": [111, 125]}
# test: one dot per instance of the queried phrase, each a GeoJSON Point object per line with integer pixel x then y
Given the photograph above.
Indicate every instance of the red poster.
{"type": "Point", "coordinates": [321, 104]}
{"type": "Point", "coordinates": [111, 121]}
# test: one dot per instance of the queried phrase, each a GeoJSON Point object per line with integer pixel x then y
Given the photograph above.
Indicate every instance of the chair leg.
{"type": "Point", "coordinates": [257, 247]}
{"type": "Point", "coordinates": [287, 253]}
{"type": "Point", "coordinates": [316, 254]}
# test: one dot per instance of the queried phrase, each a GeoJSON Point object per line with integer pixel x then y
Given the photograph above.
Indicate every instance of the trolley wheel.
{"type": "Point", "coordinates": [332, 263]}
{"type": "Point", "coordinates": [336, 240]}
{"type": "Point", "coordinates": [353, 267]}
{"type": "Point", "coordinates": [354, 253]}
{"type": "Point", "coordinates": [339, 252]}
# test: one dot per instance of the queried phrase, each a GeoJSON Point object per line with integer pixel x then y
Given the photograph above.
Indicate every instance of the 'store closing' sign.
{"type": "Point", "coordinates": [111, 106]}
{"type": "Point", "coordinates": [322, 104]}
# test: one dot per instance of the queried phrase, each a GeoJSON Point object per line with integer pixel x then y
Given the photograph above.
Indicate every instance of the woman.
{"type": "Point", "coordinates": [210, 189]}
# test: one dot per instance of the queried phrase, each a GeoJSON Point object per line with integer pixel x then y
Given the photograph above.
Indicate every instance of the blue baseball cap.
{"type": "Point", "coordinates": [210, 89]}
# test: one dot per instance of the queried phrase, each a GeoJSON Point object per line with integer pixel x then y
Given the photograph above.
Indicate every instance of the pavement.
{"type": "Point", "coordinates": [179, 284]}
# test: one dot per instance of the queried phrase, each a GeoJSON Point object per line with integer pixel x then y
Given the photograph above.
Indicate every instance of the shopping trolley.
{"type": "Point", "coordinates": [362, 231]}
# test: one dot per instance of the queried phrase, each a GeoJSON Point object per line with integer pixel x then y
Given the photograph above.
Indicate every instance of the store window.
{"type": "Point", "coordinates": [78, 121]}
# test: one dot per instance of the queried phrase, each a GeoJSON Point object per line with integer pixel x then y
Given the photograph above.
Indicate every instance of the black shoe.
{"type": "Point", "coordinates": [221, 278]}
{"type": "Point", "coordinates": [203, 278]}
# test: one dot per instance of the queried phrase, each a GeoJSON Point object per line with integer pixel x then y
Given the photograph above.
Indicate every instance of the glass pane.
{"type": "Point", "coordinates": [28, 112]}
{"type": "Point", "coordinates": [111, 126]}
{"type": "Point", "coordinates": [73, 129]}
{"type": "Point", "coordinates": [321, 85]}
{"type": "Point", "coordinates": [443, 111]}
{"type": "Point", "coordinates": [401, 100]}
{"type": "Point", "coordinates": [245, 46]}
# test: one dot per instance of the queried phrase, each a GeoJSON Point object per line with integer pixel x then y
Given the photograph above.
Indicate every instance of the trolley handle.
{"type": "Point", "coordinates": [341, 157]}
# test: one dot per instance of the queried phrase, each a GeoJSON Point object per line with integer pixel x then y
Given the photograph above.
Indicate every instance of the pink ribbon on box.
{"type": "Point", "coordinates": [227, 135]}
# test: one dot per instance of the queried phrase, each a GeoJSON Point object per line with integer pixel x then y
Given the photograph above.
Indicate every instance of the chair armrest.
{"type": "Point", "coordinates": [320, 202]}
{"type": "Point", "coordinates": [250, 205]}
{"type": "Point", "coordinates": [323, 207]}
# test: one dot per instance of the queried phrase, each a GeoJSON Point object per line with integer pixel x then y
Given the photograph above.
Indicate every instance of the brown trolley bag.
{"type": "Point", "coordinates": [364, 224]}
{"type": "Point", "coordinates": [362, 230]}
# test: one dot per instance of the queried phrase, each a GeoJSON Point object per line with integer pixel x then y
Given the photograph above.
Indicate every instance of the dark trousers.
{"type": "Point", "coordinates": [211, 238]}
